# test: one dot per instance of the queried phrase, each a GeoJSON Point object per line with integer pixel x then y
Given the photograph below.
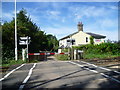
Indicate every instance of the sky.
{"type": "Point", "coordinates": [61, 18]}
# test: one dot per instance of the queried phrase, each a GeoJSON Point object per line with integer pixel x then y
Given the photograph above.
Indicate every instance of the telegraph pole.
{"type": "Point", "coordinates": [16, 53]}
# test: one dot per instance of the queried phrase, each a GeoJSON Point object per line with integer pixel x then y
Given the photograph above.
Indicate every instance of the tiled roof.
{"type": "Point", "coordinates": [97, 36]}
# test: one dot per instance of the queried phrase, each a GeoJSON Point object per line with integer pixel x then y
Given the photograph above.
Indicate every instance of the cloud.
{"type": "Point", "coordinates": [7, 16]}
{"type": "Point", "coordinates": [110, 34]}
{"type": "Point", "coordinates": [59, 32]}
{"type": "Point", "coordinates": [52, 14]}
{"type": "Point", "coordinates": [92, 11]}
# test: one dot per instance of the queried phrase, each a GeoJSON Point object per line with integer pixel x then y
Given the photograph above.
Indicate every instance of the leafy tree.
{"type": "Point", "coordinates": [91, 40]}
{"type": "Point", "coordinates": [25, 27]}
{"type": "Point", "coordinates": [52, 43]}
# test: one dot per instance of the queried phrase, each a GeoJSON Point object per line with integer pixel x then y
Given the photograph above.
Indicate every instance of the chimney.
{"type": "Point", "coordinates": [80, 26]}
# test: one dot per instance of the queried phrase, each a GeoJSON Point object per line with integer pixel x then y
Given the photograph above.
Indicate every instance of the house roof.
{"type": "Point", "coordinates": [97, 36]}
{"type": "Point", "coordinates": [68, 36]}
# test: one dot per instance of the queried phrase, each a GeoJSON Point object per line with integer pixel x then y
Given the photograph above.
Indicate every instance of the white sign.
{"type": "Point", "coordinates": [23, 42]}
{"type": "Point", "coordinates": [79, 51]}
{"type": "Point", "coordinates": [24, 38]}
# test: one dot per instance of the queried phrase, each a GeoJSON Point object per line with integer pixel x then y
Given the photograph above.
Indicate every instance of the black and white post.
{"type": "Point", "coordinates": [25, 41]}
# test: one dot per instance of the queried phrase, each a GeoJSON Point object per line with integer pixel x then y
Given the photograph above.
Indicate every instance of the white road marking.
{"type": "Point", "coordinates": [92, 70]}
{"type": "Point", "coordinates": [89, 64]}
{"type": "Point", "coordinates": [27, 78]}
{"type": "Point", "coordinates": [117, 72]}
{"type": "Point", "coordinates": [100, 67]}
{"type": "Point", "coordinates": [11, 72]}
{"type": "Point", "coordinates": [83, 66]}
{"type": "Point", "coordinates": [105, 68]}
{"type": "Point", "coordinates": [76, 64]}
{"type": "Point", "coordinates": [96, 72]}
{"type": "Point", "coordinates": [110, 77]}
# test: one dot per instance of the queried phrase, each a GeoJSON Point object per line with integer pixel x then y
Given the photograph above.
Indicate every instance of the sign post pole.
{"type": "Point", "coordinates": [16, 53]}
{"type": "Point", "coordinates": [27, 46]}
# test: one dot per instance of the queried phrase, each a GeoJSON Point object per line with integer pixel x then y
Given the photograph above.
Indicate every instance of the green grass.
{"type": "Point", "coordinates": [62, 57]}
{"type": "Point", "coordinates": [100, 56]}
{"type": "Point", "coordinates": [8, 63]}
{"type": "Point", "coordinates": [13, 62]}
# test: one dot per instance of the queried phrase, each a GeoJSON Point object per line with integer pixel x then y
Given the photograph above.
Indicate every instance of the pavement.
{"type": "Point", "coordinates": [60, 74]}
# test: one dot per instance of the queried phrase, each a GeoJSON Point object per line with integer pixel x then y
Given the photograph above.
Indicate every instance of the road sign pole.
{"type": "Point", "coordinates": [27, 46]}
{"type": "Point", "coordinates": [16, 53]}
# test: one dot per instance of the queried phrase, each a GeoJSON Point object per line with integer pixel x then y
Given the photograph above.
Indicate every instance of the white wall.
{"type": "Point", "coordinates": [80, 39]}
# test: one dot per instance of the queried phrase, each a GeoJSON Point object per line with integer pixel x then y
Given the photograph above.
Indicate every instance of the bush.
{"type": "Point", "coordinates": [100, 50]}
{"type": "Point", "coordinates": [62, 57]}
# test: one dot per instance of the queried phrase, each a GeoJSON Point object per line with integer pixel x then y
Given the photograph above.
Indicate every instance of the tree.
{"type": "Point", "coordinates": [52, 43]}
{"type": "Point", "coordinates": [91, 40]}
{"type": "Point", "coordinates": [25, 27]}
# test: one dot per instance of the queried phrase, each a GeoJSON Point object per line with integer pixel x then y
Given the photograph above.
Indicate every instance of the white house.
{"type": "Point", "coordinates": [80, 38]}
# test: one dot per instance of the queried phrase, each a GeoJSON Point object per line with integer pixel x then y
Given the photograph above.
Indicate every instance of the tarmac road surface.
{"type": "Point", "coordinates": [60, 74]}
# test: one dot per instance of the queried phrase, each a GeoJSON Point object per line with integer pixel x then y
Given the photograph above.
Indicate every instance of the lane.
{"type": "Point", "coordinates": [60, 74]}
{"type": "Point", "coordinates": [27, 78]}
{"type": "Point", "coordinates": [16, 78]}
{"type": "Point", "coordinates": [104, 71]}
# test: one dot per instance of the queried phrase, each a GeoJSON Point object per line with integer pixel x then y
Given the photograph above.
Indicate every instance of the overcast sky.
{"type": "Point", "coordinates": [61, 18]}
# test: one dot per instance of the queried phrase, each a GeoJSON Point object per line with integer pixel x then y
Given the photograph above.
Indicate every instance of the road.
{"type": "Point", "coordinates": [60, 74]}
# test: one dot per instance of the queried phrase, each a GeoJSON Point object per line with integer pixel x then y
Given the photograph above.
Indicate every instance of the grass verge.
{"type": "Point", "coordinates": [99, 56]}
{"type": "Point", "coordinates": [12, 62]}
{"type": "Point", "coordinates": [62, 57]}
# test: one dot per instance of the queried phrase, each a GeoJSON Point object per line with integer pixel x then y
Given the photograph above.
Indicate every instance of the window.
{"type": "Point", "coordinates": [68, 40]}
{"type": "Point", "coordinates": [86, 39]}
{"type": "Point", "coordinates": [73, 42]}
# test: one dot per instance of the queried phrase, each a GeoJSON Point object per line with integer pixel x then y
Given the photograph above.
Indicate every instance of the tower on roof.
{"type": "Point", "coordinates": [80, 26]}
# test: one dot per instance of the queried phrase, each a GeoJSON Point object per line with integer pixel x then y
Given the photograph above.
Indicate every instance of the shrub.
{"type": "Point", "coordinates": [62, 57]}
{"type": "Point", "coordinates": [101, 50]}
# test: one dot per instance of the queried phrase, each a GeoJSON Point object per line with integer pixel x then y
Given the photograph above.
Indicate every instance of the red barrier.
{"type": "Point", "coordinates": [52, 53]}
{"type": "Point", "coordinates": [62, 53]}
{"type": "Point", "coordinates": [30, 53]}
{"type": "Point", "coordinates": [41, 54]}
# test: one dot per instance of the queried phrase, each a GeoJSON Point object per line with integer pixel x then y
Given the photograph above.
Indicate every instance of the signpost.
{"type": "Point", "coordinates": [25, 41]}
{"type": "Point", "coordinates": [16, 53]}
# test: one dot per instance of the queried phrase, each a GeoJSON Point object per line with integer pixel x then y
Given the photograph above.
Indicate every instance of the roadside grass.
{"type": "Point", "coordinates": [15, 62]}
{"type": "Point", "coordinates": [89, 56]}
{"type": "Point", "coordinates": [99, 56]}
{"type": "Point", "coordinates": [62, 57]}
{"type": "Point", "coordinates": [12, 62]}
{"type": "Point", "coordinates": [8, 63]}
